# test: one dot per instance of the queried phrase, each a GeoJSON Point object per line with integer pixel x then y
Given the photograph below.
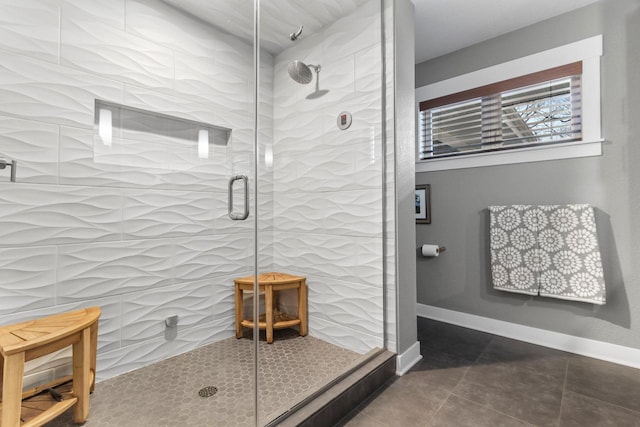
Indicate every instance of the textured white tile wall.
{"type": "Point", "coordinates": [328, 204]}
{"type": "Point", "coordinates": [139, 228]}
{"type": "Point", "coordinates": [30, 27]}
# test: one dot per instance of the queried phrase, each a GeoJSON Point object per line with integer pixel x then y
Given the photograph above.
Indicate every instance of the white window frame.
{"type": "Point", "coordinates": [588, 51]}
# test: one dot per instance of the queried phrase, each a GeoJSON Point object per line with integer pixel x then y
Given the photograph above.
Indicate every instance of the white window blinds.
{"type": "Point", "coordinates": [536, 109]}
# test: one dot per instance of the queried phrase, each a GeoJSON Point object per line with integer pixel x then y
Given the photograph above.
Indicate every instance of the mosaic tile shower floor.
{"type": "Point", "coordinates": [166, 393]}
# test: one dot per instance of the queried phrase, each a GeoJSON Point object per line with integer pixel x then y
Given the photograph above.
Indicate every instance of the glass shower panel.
{"type": "Point", "coordinates": [320, 172]}
{"type": "Point", "coordinates": [128, 119]}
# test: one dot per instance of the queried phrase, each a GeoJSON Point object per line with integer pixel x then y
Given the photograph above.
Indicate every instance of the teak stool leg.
{"type": "Point", "coordinates": [302, 308]}
{"type": "Point", "coordinates": [268, 306]}
{"type": "Point", "coordinates": [13, 370]}
{"type": "Point", "coordinates": [94, 354]}
{"type": "Point", "coordinates": [239, 311]}
{"type": "Point", "coordinates": [81, 377]}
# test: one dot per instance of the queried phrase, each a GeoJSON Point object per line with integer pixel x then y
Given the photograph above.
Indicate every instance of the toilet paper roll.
{"type": "Point", "coordinates": [430, 250]}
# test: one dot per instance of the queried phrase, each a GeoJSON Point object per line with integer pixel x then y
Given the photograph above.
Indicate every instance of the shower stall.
{"type": "Point", "coordinates": [162, 149]}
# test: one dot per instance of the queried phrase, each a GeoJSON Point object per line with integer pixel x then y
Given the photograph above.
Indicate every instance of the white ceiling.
{"type": "Point", "coordinates": [444, 26]}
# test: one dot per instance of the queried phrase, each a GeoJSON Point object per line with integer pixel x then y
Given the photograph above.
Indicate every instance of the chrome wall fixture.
{"type": "Point", "coordinates": [13, 164]}
{"type": "Point", "coordinates": [245, 212]}
{"type": "Point", "coordinates": [301, 72]}
{"type": "Point", "coordinates": [294, 36]}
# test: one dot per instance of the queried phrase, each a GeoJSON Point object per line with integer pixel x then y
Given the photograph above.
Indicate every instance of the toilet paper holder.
{"type": "Point", "coordinates": [431, 250]}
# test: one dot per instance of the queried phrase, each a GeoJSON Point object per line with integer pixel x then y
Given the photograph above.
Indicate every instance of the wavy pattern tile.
{"type": "Point", "coordinates": [348, 213]}
{"type": "Point", "coordinates": [316, 290]}
{"type": "Point", "coordinates": [354, 213]}
{"type": "Point", "coordinates": [296, 136]}
{"type": "Point", "coordinates": [349, 35]}
{"type": "Point", "coordinates": [160, 23]}
{"type": "Point", "coordinates": [144, 313]}
{"type": "Point", "coordinates": [28, 278]}
{"type": "Point", "coordinates": [116, 362]}
{"type": "Point", "coordinates": [326, 169]}
{"type": "Point", "coordinates": [110, 320]}
{"type": "Point", "coordinates": [338, 77]}
{"type": "Point", "coordinates": [210, 81]}
{"type": "Point", "coordinates": [369, 260]}
{"type": "Point", "coordinates": [77, 166]}
{"type": "Point", "coordinates": [119, 361]}
{"type": "Point", "coordinates": [322, 255]}
{"type": "Point", "coordinates": [355, 305]}
{"type": "Point", "coordinates": [98, 270]}
{"type": "Point", "coordinates": [30, 27]}
{"type": "Point", "coordinates": [368, 70]}
{"type": "Point", "coordinates": [223, 297]}
{"type": "Point", "coordinates": [44, 215]}
{"type": "Point", "coordinates": [34, 145]}
{"type": "Point", "coordinates": [101, 49]}
{"type": "Point", "coordinates": [41, 91]}
{"type": "Point", "coordinates": [369, 163]}
{"type": "Point", "coordinates": [110, 12]}
{"type": "Point", "coordinates": [204, 257]}
{"type": "Point", "coordinates": [153, 214]}
{"type": "Point", "coordinates": [343, 336]}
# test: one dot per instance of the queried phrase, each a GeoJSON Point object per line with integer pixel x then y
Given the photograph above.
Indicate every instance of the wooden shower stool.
{"type": "Point", "coordinates": [270, 283]}
{"type": "Point", "coordinates": [25, 341]}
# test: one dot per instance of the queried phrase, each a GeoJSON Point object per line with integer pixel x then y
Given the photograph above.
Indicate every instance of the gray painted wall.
{"type": "Point", "coordinates": [460, 278]}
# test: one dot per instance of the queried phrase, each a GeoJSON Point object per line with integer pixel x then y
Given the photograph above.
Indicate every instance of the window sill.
{"type": "Point", "coordinates": [523, 155]}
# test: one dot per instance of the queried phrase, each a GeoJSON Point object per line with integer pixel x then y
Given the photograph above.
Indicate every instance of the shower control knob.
{"type": "Point", "coordinates": [344, 120]}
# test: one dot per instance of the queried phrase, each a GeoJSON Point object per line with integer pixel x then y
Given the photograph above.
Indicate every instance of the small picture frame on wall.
{"type": "Point", "coordinates": [423, 204]}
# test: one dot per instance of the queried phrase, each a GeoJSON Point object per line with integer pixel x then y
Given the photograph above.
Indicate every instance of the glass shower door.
{"type": "Point", "coordinates": [127, 120]}
{"type": "Point", "coordinates": [320, 194]}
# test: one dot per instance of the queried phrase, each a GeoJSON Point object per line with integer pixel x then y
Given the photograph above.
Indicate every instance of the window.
{"type": "Point", "coordinates": [519, 118]}
{"type": "Point", "coordinates": [540, 108]}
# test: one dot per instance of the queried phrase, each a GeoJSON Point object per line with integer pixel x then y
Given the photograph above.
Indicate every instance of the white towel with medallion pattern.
{"type": "Point", "coordinates": [547, 250]}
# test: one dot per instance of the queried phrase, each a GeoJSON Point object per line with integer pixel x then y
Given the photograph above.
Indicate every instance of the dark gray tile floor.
{"type": "Point", "coordinates": [475, 379]}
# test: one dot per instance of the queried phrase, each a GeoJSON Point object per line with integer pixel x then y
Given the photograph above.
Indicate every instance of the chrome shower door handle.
{"type": "Point", "coordinates": [245, 213]}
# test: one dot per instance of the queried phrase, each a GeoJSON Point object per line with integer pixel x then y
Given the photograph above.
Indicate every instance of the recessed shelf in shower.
{"type": "Point", "coordinates": [131, 136]}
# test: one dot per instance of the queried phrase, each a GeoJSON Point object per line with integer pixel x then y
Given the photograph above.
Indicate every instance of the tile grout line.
{"type": "Point", "coordinates": [491, 409]}
{"type": "Point", "coordinates": [440, 407]}
{"type": "Point", "coordinates": [564, 390]}
{"type": "Point", "coordinates": [452, 392]}
{"type": "Point", "coordinates": [606, 402]}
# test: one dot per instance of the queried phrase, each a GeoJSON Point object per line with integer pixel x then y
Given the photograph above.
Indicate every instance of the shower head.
{"type": "Point", "coordinates": [301, 72]}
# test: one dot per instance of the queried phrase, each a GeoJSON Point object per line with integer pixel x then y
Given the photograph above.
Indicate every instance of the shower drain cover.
{"type": "Point", "coordinates": [208, 391]}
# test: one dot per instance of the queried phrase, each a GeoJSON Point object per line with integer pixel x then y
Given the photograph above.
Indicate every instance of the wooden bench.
{"type": "Point", "coordinates": [270, 284]}
{"type": "Point", "coordinates": [25, 341]}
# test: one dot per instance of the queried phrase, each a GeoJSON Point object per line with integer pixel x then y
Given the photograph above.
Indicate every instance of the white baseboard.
{"type": "Point", "coordinates": [587, 347]}
{"type": "Point", "coordinates": [406, 360]}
